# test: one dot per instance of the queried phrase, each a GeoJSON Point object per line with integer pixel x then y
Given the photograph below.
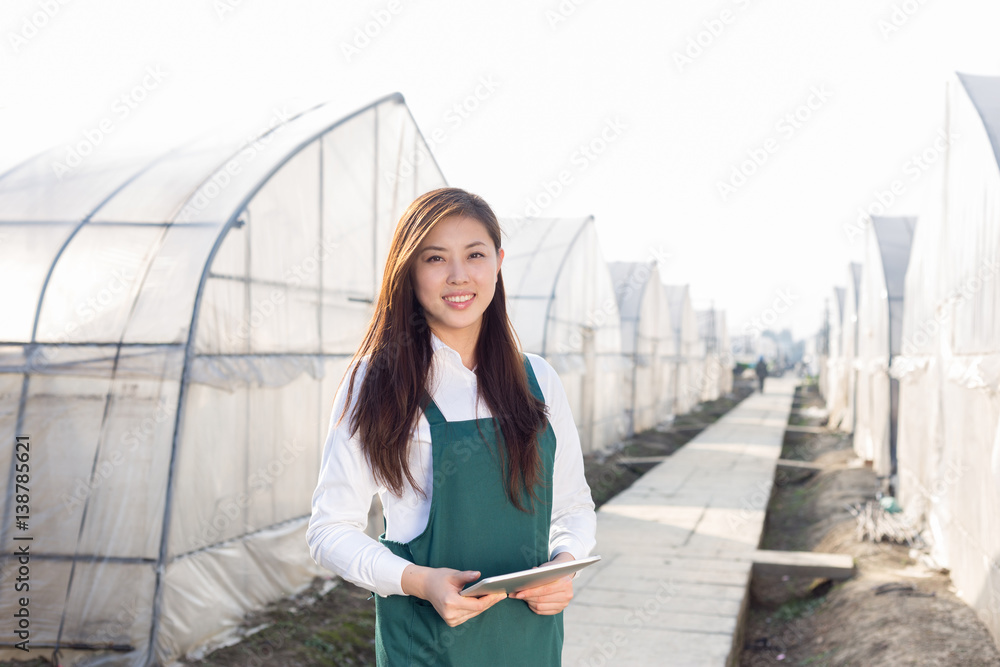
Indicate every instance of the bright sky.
{"type": "Point", "coordinates": [636, 112]}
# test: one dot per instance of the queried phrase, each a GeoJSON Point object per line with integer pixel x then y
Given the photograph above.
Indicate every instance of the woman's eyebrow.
{"type": "Point", "coordinates": [440, 249]}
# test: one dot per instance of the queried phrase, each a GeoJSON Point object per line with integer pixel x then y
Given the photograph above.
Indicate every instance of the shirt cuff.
{"type": "Point", "coordinates": [390, 574]}
{"type": "Point", "coordinates": [570, 544]}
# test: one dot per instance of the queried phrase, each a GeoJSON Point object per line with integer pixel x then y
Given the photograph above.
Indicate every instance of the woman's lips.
{"type": "Point", "coordinates": [459, 301]}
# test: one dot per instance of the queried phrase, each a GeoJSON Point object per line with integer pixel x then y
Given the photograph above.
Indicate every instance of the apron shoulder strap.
{"type": "Point", "coordinates": [433, 413]}
{"type": "Point", "coordinates": [431, 410]}
{"type": "Point", "coordinates": [532, 380]}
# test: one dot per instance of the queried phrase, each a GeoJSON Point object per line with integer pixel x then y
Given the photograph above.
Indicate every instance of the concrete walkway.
{"type": "Point", "coordinates": [677, 547]}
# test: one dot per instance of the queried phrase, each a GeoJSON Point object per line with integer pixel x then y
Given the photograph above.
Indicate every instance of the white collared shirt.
{"type": "Point", "coordinates": [340, 504]}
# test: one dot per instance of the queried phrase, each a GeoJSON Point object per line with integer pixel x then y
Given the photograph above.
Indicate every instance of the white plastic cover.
{"type": "Point", "coordinates": [880, 324]}
{"type": "Point", "coordinates": [181, 328]}
{"type": "Point", "coordinates": [717, 373]}
{"type": "Point", "coordinates": [849, 343]}
{"type": "Point", "coordinates": [689, 361]}
{"type": "Point", "coordinates": [834, 367]}
{"type": "Point", "coordinates": [561, 299]}
{"type": "Point", "coordinates": [648, 339]}
{"type": "Point", "coordinates": [949, 369]}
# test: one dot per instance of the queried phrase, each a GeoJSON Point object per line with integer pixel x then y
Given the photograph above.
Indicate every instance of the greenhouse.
{"type": "Point", "coordinates": [561, 300]}
{"type": "Point", "coordinates": [647, 340]}
{"type": "Point", "coordinates": [833, 369]}
{"type": "Point", "coordinates": [849, 344]}
{"type": "Point", "coordinates": [178, 332]}
{"type": "Point", "coordinates": [880, 324]}
{"type": "Point", "coordinates": [949, 371]}
{"type": "Point", "coordinates": [689, 360]}
{"type": "Point", "coordinates": [717, 376]}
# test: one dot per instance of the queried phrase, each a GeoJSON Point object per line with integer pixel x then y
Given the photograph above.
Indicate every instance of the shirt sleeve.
{"type": "Point", "coordinates": [340, 505]}
{"type": "Point", "coordinates": [574, 523]}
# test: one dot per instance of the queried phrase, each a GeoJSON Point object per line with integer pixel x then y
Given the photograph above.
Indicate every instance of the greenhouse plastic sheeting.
{"type": "Point", "coordinates": [717, 366]}
{"type": "Point", "coordinates": [27, 190]}
{"type": "Point", "coordinates": [182, 324]}
{"type": "Point", "coordinates": [562, 303]}
{"type": "Point", "coordinates": [949, 369]}
{"type": "Point", "coordinates": [689, 362]}
{"type": "Point", "coordinates": [849, 344]}
{"type": "Point", "coordinates": [880, 324]}
{"type": "Point", "coordinates": [725, 354]}
{"type": "Point", "coordinates": [647, 338]}
{"type": "Point", "coordinates": [835, 368]}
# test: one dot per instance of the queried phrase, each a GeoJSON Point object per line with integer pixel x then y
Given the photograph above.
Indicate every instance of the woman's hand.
{"type": "Point", "coordinates": [553, 597]}
{"type": "Point", "coordinates": [441, 585]}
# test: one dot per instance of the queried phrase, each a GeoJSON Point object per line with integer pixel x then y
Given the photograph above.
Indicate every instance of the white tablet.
{"type": "Point", "coordinates": [518, 581]}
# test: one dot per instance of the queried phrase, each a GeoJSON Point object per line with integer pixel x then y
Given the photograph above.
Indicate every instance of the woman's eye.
{"type": "Point", "coordinates": [476, 255]}
{"type": "Point", "coordinates": [434, 258]}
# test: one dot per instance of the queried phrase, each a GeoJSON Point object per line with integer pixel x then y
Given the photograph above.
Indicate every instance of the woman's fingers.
{"type": "Point", "coordinates": [459, 611]}
{"type": "Point", "coordinates": [550, 598]}
{"type": "Point", "coordinates": [553, 587]}
{"type": "Point", "coordinates": [558, 588]}
{"type": "Point", "coordinates": [546, 609]}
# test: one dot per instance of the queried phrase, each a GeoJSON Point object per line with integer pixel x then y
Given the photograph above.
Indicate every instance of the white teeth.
{"type": "Point", "coordinates": [459, 299]}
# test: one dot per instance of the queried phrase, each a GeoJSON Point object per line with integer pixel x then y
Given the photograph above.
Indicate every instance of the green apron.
{"type": "Point", "coordinates": [473, 526]}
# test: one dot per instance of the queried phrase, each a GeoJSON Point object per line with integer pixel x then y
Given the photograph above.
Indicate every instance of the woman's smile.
{"type": "Point", "coordinates": [460, 300]}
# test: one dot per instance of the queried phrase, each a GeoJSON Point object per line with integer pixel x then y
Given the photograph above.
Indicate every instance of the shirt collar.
{"type": "Point", "coordinates": [438, 345]}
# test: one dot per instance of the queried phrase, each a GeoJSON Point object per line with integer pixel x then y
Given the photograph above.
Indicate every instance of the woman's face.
{"type": "Point", "coordinates": [455, 276]}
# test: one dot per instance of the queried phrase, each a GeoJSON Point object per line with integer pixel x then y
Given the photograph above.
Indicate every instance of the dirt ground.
{"type": "Point", "coordinates": [894, 611]}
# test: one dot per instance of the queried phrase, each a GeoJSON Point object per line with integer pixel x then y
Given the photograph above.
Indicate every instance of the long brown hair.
{"type": "Point", "coordinates": [392, 393]}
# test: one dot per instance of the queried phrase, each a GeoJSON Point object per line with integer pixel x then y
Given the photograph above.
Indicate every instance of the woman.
{"type": "Point", "coordinates": [470, 445]}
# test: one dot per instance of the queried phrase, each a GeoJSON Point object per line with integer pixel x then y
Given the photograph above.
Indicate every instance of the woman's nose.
{"type": "Point", "coordinates": [458, 274]}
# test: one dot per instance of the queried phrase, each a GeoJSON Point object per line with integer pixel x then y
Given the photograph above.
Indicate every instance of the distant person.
{"type": "Point", "coordinates": [471, 446]}
{"type": "Point", "coordinates": [761, 369]}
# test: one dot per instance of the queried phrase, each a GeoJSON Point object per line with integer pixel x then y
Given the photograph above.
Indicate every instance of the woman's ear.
{"type": "Point", "coordinates": [499, 259]}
